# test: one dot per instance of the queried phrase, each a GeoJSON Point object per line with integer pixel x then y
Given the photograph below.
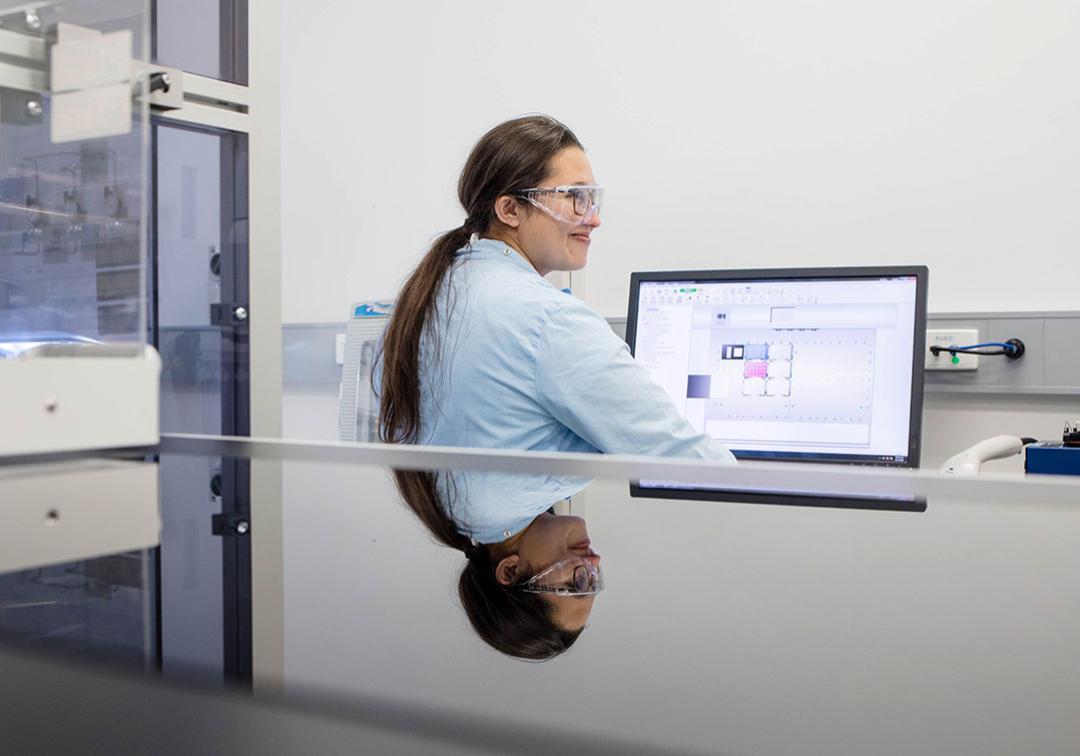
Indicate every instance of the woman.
{"type": "Point", "coordinates": [483, 351]}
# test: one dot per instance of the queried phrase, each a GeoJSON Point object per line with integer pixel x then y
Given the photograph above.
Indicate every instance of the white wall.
{"type": "Point", "coordinates": [728, 134]}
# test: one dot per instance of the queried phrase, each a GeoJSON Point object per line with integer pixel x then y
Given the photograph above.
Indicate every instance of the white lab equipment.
{"type": "Point", "coordinates": [970, 461]}
{"type": "Point", "coordinates": [80, 396]}
{"type": "Point", "coordinates": [358, 409]}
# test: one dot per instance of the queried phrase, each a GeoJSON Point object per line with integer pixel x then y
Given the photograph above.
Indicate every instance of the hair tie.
{"type": "Point", "coordinates": [472, 549]}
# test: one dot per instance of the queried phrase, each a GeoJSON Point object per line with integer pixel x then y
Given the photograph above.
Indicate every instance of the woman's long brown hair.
{"type": "Point", "coordinates": [511, 157]}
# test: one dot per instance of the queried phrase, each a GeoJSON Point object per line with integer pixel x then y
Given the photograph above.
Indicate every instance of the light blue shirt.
{"type": "Point", "coordinates": [524, 365]}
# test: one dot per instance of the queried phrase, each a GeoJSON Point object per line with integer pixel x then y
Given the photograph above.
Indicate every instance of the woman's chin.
{"type": "Point", "coordinates": [577, 260]}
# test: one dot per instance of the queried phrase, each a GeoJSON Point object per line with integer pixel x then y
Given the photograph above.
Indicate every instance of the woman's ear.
{"type": "Point", "coordinates": [506, 571]}
{"type": "Point", "coordinates": [507, 210]}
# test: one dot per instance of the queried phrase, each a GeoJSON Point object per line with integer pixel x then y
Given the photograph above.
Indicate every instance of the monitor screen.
{"type": "Point", "coordinates": [809, 365]}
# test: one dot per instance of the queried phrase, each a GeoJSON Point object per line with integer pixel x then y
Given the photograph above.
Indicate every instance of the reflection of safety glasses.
{"type": "Point", "coordinates": [570, 577]}
{"type": "Point", "coordinates": [575, 204]}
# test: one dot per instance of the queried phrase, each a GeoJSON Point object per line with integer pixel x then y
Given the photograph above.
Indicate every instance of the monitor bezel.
{"type": "Point", "coordinates": [784, 498]}
{"type": "Point", "coordinates": [921, 275]}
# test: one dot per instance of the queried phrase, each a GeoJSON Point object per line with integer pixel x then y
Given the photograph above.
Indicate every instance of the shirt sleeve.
{"type": "Point", "coordinates": [587, 380]}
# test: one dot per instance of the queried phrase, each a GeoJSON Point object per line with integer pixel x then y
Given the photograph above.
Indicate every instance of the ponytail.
{"type": "Point", "coordinates": [416, 308]}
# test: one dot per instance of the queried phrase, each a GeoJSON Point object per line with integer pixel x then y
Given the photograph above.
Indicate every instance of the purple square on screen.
{"type": "Point", "coordinates": [697, 386]}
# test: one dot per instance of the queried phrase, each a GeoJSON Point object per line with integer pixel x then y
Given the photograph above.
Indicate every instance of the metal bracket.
{"type": "Point", "coordinates": [230, 524]}
{"type": "Point", "coordinates": [228, 314]}
{"type": "Point", "coordinates": [165, 90]}
{"type": "Point", "coordinates": [26, 65]}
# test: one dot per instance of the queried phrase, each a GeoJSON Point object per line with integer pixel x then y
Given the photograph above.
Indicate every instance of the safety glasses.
{"type": "Point", "coordinates": [575, 204]}
{"type": "Point", "coordinates": [570, 577]}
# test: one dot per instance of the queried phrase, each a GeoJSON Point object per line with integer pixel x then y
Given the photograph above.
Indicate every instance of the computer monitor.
{"type": "Point", "coordinates": [800, 364]}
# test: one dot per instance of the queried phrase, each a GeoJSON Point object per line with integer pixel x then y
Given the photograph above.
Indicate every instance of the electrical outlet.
{"type": "Point", "coordinates": [948, 338]}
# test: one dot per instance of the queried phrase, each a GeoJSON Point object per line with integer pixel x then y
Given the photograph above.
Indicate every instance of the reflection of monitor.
{"type": "Point", "coordinates": [806, 365]}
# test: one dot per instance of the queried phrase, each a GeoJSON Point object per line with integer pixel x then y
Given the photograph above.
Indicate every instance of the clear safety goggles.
{"type": "Point", "coordinates": [570, 577]}
{"type": "Point", "coordinates": [575, 204]}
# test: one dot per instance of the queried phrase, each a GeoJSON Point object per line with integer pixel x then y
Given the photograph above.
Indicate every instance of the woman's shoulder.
{"type": "Point", "coordinates": [568, 311]}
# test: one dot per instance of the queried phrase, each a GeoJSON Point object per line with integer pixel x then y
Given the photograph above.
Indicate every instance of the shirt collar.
{"type": "Point", "coordinates": [495, 249]}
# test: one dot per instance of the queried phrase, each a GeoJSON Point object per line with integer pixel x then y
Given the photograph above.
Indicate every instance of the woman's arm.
{"type": "Point", "coordinates": [587, 380]}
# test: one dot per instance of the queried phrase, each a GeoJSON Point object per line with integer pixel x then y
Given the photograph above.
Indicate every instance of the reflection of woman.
{"type": "Point", "coordinates": [483, 351]}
